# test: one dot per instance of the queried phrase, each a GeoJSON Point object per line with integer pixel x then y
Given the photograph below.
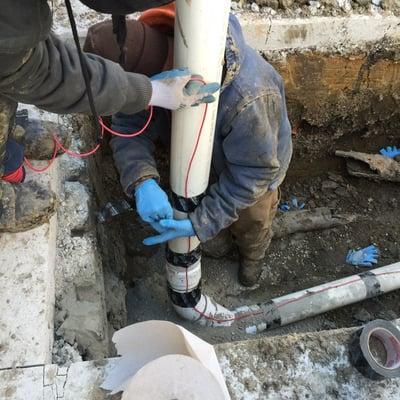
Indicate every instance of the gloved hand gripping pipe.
{"type": "Point", "coordinates": [200, 39]}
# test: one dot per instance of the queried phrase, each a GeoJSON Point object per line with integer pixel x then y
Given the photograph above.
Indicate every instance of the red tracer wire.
{"type": "Point", "coordinates": [191, 160]}
{"type": "Point", "coordinates": [59, 146]}
{"type": "Point", "coordinates": [128, 135]}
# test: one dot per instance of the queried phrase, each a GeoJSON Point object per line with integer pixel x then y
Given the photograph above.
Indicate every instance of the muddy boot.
{"type": "Point", "coordinates": [24, 206]}
{"type": "Point", "coordinates": [37, 136]}
{"type": "Point", "coordinates": [220, 246]}
{"type": "Point", "coordinates": [250, 271]}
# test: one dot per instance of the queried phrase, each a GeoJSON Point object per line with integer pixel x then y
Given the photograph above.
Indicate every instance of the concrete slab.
{"type": "Point", "coordinates": [27, 262]}
{"type": "Point", "coordinates": [79, 381]}
{"type": "Point", "coordinates": [307, 366]}
{"type": "Point", "coordinates": [329, 33]}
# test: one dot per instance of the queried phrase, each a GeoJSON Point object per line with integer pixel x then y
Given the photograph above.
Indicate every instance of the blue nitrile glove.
{"type": "Point", "coordinates": [152, 202]}
{"type": "Point", "coordinates": [173, 229]}
{"type": "Point", "coordinates": [366, 257]}
{"type": "Point", "coordinates": [178, 88]}
{"type": "Point", "coordinates": [294, 204]}
{"type": "Point", "coordinates": [390, 151]}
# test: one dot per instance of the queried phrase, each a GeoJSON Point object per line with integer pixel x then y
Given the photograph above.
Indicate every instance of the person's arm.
{"type": "Point", "coordinates": [134, 157]}
{"type": "Point", "coordinates": [137, 167]}
{"type": "Point", "coordinates": [50, 77]}
{"type": "Point", "coordinates": [252, 165]}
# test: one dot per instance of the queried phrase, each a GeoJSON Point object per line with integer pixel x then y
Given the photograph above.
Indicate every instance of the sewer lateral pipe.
{"type": "Point", "coordinates": [319, 299]}
{"type": "Point", "coordinates": [200, 38]}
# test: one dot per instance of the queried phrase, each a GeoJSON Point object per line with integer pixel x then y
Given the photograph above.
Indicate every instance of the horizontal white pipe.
{"type": "Point", "coordinates": [319, 299]}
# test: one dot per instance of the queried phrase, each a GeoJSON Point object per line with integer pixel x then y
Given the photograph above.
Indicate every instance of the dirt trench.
{"type": "Point", "coordinates": [134, 274]}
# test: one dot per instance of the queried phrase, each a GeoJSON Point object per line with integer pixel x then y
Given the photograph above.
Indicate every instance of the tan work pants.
{"type": "Point", "coordinates": [252, 232]}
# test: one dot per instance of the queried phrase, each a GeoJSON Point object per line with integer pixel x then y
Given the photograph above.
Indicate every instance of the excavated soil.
{"type": "Point", "coordinates": [292, 263]}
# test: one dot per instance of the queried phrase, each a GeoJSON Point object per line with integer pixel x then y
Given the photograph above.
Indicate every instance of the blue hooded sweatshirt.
{"type": "Point", "coordinates": [252, 145]}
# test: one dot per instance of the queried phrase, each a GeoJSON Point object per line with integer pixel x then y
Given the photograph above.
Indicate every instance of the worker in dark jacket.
{"type": "Point", "coordinates": [36, 67]}
{"type": "Point", "coordinates": [251, 154]}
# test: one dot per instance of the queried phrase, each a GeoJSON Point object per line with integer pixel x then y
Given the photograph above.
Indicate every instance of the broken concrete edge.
{"type": "Point", "coordinates": [27, 288]}
{"type": "Point", "coordinates": [81, 318]}
{"type": "Point", "coordinates": [301, 366]}
{"type": "Point", "coordinates": [63, 294]}
{"type": "Point", "coordinates": [264, 366]}
{"type": "Point", "coordinates": [338, 34]}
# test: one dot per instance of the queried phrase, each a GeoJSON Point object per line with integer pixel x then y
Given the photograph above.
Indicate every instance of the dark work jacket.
{"type": "Point", "coordinates": [252, 146]}
{"type": "Point", "coordinates": [37, 68]}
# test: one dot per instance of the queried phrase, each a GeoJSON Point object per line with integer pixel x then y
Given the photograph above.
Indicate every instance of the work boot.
{"type": "Point", "coordinates": [25, 206]}
{"type": "Point", "coordinates": [250, 271]}
{"type": "Point", "coordinates": [37, 136]}
{"type": "Point", "coordinates": [220, 246]}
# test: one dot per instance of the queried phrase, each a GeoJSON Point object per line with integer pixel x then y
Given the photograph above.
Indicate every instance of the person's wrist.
{"type": "Point", "coordinates": [158, 95]}
{"type": "Point", "coordinates": [144, 182]}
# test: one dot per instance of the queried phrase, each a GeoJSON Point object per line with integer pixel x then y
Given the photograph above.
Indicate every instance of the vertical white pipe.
{"type": "Point", "coordinates": [200, 39]}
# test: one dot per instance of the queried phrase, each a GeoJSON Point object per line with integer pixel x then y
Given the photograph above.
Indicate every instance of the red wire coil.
{"type": "Point", "coordinates": [15, 177]}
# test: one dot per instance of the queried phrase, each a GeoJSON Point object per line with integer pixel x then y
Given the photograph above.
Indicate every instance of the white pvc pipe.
{"type": "Point", "coordinates": [319, 299]}
{"type": "Point", "coordinates": [200, 39]}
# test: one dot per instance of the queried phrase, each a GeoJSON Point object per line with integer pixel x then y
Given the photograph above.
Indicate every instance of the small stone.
{"type": "Point", "coordinates": [269, 11]}
{"type": "Point", "coordinates": [312, 204]}
{"type": "Point", "coordinates": [332, 204]}
{"type": "Point", "coordinates": [286, 4]}
{"type": "Point", "coordinates": [274, 4]}
{"type": "Point", "coordinates": [77, 206]}
{"type": "Point", "coordinates": [363, 3]}
{"type": "Point", "coordinates": [392, 5]}
{"type": "Point", "coordinates": [345, 5]}
{"type": "Point", "coordinates": [329, 325]}
{"type": "Point", "coordinates": [342, 192]}
{"type": "Point", "coordinates": [388, 315]}
{"type": "Point", "coordinates": [335, 177]}
{"type": "Point", "coordinates": [255, 7]}
{"type": "Point", "coordinates": [329, 185]}
{"type": "Point", "coordinates": [234, 6]}
{"type": "Point", "coordinates": [363, 316]}
{"type": "Point", "coordinates": [393, 202]}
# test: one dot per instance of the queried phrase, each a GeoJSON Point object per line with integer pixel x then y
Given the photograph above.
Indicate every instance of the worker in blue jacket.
{"type": "Point", "coordinates": [251, 154]}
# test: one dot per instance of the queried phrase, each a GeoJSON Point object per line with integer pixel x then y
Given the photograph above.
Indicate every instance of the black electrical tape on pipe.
{"type": "Point", "coordinates": [185, 300]}
{"type": "Point", "coordinates": [185, 260]}
{"type": "Point", "coordinates": [271, 315]}
{"type": "Point", "coordinates": [186, 205]}
{"type": "Point", "coordinates": [372, 284]}
{"type": "Point", "coordinates": [361, 355]}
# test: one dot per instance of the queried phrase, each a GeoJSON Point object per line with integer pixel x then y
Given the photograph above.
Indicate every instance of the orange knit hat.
{"type": "Point", "coordinates": [161, 18]}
